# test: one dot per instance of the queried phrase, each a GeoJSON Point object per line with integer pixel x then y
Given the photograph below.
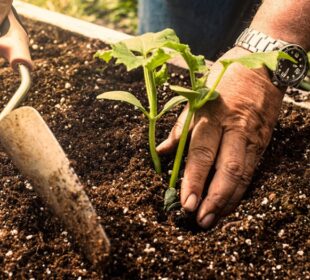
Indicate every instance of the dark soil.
{"type": "Point", "coordinates": [267, 237]}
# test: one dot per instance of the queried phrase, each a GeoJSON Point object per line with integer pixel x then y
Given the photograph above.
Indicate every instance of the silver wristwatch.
{"type": "Point", "coordinates": [287, 73]}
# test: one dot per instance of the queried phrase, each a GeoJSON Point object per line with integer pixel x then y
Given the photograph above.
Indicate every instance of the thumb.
{"type": "Point", "coordinates": [171, 142]}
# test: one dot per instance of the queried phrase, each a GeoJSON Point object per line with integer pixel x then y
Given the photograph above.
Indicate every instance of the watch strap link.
{"type": "Point", "coordinates": [256, 41]}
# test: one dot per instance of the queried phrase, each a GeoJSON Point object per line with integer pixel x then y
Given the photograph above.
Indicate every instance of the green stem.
{"type": "Point", "coordinates": [205, 99]}
{"type": "Point", "coordinates": [181, 146]}
{"type": "Point", "coordinates": [193, 80]}
{"type": "Point", "coordinates": [152, 145]}
{"type": "Point", "coordinates": [152, 98]}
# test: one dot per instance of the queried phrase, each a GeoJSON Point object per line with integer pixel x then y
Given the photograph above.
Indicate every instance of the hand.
{"type": "Point", "coordinates": [5, 7]}
{"type": "Point", "coordinates": [230, 133]}
{"type": "Point", "coordinates": [14, 41]}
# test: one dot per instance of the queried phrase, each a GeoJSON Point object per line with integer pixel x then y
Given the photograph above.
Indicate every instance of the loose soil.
{"type": "Point", "coordinates": [267, 237]}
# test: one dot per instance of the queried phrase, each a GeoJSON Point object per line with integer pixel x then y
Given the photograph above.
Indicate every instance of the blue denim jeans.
{"type": "Point", "coordinates": [208, 26]}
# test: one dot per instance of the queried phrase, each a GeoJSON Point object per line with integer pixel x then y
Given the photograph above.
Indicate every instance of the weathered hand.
{"type": "Point", "coordinates": [230, 133]}
{"type": "Point", "coordinates": [5, 7]}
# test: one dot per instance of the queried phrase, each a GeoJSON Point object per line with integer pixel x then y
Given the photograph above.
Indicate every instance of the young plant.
{"type": "Point", "coordinates": [147, 51]}
{"type": "Point", "coordinates": [199, 95]}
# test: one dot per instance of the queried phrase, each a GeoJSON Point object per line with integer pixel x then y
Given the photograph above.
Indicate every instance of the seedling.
{"type": "Point", "coordinates": [146, 51]}
{"type": "Point", "coordinates": [151, 51]}
{"type": "Point", "coordinates": [199, 95]}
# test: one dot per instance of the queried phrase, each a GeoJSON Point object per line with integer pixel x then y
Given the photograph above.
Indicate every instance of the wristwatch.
{"type": "Point", "coordinates": [287, 73]}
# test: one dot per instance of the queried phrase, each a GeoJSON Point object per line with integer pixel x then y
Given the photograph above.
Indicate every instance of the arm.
{"type": "Point", "coordinates": [287, 20]}
{"type": "Point", "coordinates": [232, 132]}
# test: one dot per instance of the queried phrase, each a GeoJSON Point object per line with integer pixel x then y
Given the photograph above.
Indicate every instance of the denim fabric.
{"type": "Point", "coordinates": [208, 26]}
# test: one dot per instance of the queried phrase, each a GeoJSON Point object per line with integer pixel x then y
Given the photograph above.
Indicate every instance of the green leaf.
{"type": "Point", "coordinates": [104, 55]}
{"type": "Point", "coordinates": [174, 206]}
{"type": "Point", "coordinates": [194, 62]}
{"type": "Point", "coordinates": [188, 93]}
{"type": "Point", "coordinates": [124, 56]}
{"type": "Point", "coordinates": [158, 58]}
{"type": "Point", "coordinates": [201, 82]}
{"type": "Point", "coordinates": [257, 60]}
{"type": "Point", "coordinates": [174, 101]}
{"type": "Point", "coordinates": [161, 76]}
{"type": "Point", "coordinates": [205, 91]}
{"type": "Point", "coordinates": [123, 96]}
{"type": "Point", "coordinates": [147, 42]}
{"type": "Point", "coordinates": [170, 198]}
{"type": "Point", "coordinates": [176, 46]}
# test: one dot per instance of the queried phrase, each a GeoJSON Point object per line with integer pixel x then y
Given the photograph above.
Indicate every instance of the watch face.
{"type": "Point", "coordinates": [289, 73]}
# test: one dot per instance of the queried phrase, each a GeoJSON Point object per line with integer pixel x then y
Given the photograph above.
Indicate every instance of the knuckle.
{"type": "Point", "coordinates": [202, 156]}
{"type": "Point", "coordinates": [246, 178]}
{"type": "Point", "coordinates": [218, 201]}
{"type": "Point", "coordinates": [233, 168]}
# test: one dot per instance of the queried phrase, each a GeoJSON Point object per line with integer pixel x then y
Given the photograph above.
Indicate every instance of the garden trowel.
{"type": "Point", "coordinates": [35, 151]}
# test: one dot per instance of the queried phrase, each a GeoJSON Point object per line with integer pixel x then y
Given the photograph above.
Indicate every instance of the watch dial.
{"type": "Point", "coordinates": [289, 73]}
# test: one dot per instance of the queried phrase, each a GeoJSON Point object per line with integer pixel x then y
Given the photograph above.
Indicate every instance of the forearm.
{"type": "Point", "coordinates": [287, 20]}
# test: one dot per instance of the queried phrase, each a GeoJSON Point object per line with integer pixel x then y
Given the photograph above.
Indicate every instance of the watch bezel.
{"type": "Point", "coordinates": [279, 80]}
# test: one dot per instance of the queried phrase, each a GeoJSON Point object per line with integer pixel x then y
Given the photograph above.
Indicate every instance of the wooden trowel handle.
{"type": "Point", "coordinates": [35, 151]}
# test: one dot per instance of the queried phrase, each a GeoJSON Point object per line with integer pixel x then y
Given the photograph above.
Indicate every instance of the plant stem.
{"type": "Point", "coordinates": [181, 146]}
{"type": "Point", "coordinates": [192, 78]}
{"type": "Point", "coordinates": [152, 98]}
{"type": "Point", "coordinates": [152, 145]}
{"type": "Point", "coordinates": [205, 99]}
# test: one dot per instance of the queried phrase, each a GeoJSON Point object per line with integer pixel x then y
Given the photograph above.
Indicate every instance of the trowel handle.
{"type": "Point", "coordinates": [14, 41]}
{"type": "Point", "coordinates": [21, 92]}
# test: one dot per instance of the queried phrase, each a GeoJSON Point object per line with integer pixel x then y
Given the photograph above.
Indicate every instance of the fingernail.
{"type": "Point", "coordinates": [191, 203]}
{"type": "Point", "coordinates": [207, 220]}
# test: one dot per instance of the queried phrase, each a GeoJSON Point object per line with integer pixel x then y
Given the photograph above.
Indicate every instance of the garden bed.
{"type": "Point", "coordinates": [266, 237]}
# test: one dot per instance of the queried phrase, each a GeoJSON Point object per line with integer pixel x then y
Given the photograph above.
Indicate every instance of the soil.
{"type": "Point", "coordinates": [267, 237]}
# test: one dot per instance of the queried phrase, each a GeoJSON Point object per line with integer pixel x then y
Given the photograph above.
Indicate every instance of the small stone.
{"type": "Point", "coordinates": [300, 253]}
{"type": "Point", "coordinates": [35, 47]}
{"type": "Point", "coordinates": [149, 249]}
{"type": "Point", "coordinates": [248, 242]}
{"type": "Point", "coordinates": [180, 238]}
{"type": "Point", "coordinates": [265, 201]}
{"type": "Point", "coordinates": [28, 237]}
{"type": "Point", "coordinates": [278, 266]}
{"type": "Point", "coordinates": [281, 233]}
{"type": "Point", "coordinates": [9, 253]}
{"type": "Point", "coordinates": [67, 85]}
{"type": "Point", "coordinates": [125, 210]}
{"type": "Point", "coordinates": [48, 271]}
{"type": "Point", "coordinates": [14, 232]}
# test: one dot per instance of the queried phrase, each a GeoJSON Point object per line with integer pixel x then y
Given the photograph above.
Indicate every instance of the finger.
{"type": "Point", "coordinates": [250, 164]}
{"type": "Point", "coordinates": [253, 155]}
{"type": "Point", "coordinates": [229, 170]}
{"type": "Point", "coordinates": [170, 143]}
{"type": "Point", "coordinates": [202, 151]}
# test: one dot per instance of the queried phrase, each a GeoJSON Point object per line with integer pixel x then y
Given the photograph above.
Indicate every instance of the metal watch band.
{"type": "Point", "coordinates": [256, 41]}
